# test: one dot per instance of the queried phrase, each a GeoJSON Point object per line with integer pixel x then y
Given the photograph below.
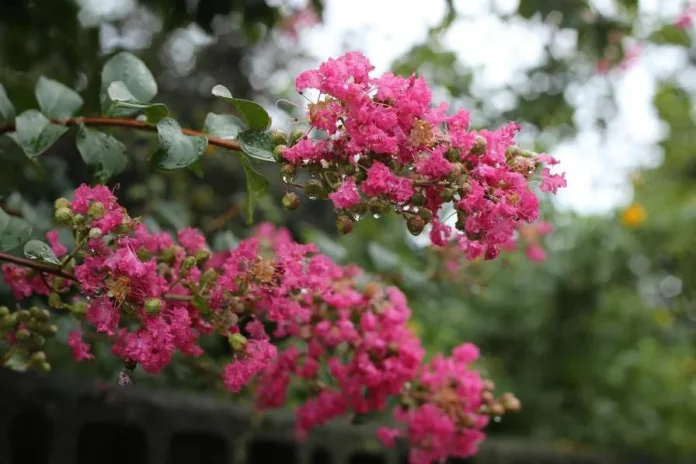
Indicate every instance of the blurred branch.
{"type": "Point", "coordinates": [130, 123]}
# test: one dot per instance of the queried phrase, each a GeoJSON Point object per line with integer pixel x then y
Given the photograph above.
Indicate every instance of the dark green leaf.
{"type": "Point", "coordinates": [256, 144]}
{"type": "Point", "coordinates": [134, 74]}
{"type": "Point", "coordinates": [7, 110]}
{"type": "Point", "coordinates": [177, 150]}
{"type": "Point", "coordinates": [121, 97]}
{"type": "Point", "coordinates": [254, 115]}
{"type": "Point", "coordinates": [671, 35]}
{"type": "Point", "coordinates": [224, 126]}
{"type": "Point", "coordinates": [40, 251]}
{"type": "Point", "coordinates": [35, 133]}
{"type": "Point", "coordinates": [100, 149]}
{"type": "Point", "coordinates": [13, 231]}
{"type": "Point", "coordinates": [57, 100]}
{"type": "Point", "coordinates": [257, 185]}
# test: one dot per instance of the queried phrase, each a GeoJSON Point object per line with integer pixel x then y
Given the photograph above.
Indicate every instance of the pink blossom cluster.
{"type": "Point", "coordinates": [386, 148]}
{"type": "Point", "coordinates": [296, 322]}
{"type": "Point", "coordinates": [686, 18]}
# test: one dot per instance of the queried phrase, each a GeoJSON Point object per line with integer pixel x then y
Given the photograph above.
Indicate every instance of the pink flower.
{"type": "Point", "coordinates": [551, 182]}
{"type": "Point", "coordinates": [387, 436]}
{"type": "Point", "coordinates": [536, 253]}
{"type": "Point", "coordinates": [57, 247]}
{"type": "Point", "coordinates": [80, 349]}
{"type": "Point", "coordinates": [192, 240]}
{"type": "Point", "coordinates": [347, 194]}
{"type": "Point", "coordinates": [255, 358]}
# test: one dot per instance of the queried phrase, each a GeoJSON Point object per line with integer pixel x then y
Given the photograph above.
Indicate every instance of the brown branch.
{"type": "Point", "coordinates": [131, 123]}
{"type": "Point", "coordinates": [57, 271]}
{"type": "Point", "coordinates": [12, 211]}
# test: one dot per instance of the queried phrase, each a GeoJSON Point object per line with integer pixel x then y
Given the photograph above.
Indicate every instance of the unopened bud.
{"type": "Point", "coordinates": [188, 263]}
{"type": "Point", "coordinates": [278, 137]}
{"type": "Point", "coordinates": [512, 151]}
{"type": "Point", "coordinates": [295, 136]}
{"type": "Point", "coordinates": [96, 210]}
{"type": "Point", "coordinates": [447, 194]}
{"type": "Point", "coordinates": [23, 315]}
{"type": "Point", "coordinates": [455, 173]}
{"type": "Point", "coordinates": [418, 199]}
{"type": "Point", "coordinates": [464, 189]}
{"type": "Point", "coordinates": [426, 214]}
{"type": "Point", "coordinates": [237, 341]}
{"type": "Point", "coordinates": [291, 201]}
{"type": "Point", "coordinates": [344, 224]}
{"type": "Point", "coordinates": [314, 189]}
{"type": "Point", "coordinates": [371, 289]}
{"type": "Point", "coordinates": [487, 397]}
{"type": "Point", "coordinates": [153, 306]}
{"type": "Point", "coordinates": [288, 171]}
{"type": "Point", "coordinates": [95, 233]}
{"type": "Point", "coordinates": [278, 153]}
{"type": "Point", "coordinates": [63, 216]}
{"type": "Point", "coordinates": [38, 340]}
{"type": "Point", "coordinates": [22, 334]}
{"type": "Point", "coordinates": [168, 254]}
{"type": "Point", "coordinates": [480, 146]}
{"type": "Point", "coordinates": [38, 358]}
{"type": "Point", "coordinates": [42, 315]}
{"type": "Point", "coordinates": [488, 385]}
{"type": "Point", "coordinates": [43, 367]}
{"type": "Point", "coordinates": [4, 312]}
{"type": "Point", "coordinates": [496, 409]}
{"type": "Point", "coordinates": [79, 309]}
{"type": "Point", "coordinates": [415, 225]}
{"type": "Point", "coordinates": [78, 220]}
{"type": "Point", "coordinates": [492, 252]}
{"type": "Point", "coordinates": [453, 155]}
{"type": "Point", "coordinates": [49, 330]}
{"type": "Point", "coordinates": [61, 203]}
{"type": "Point", "coordinates": [202, 256]}
{"type": "Point", "coordinates": [510, 402]}
{"type": "Point", "coordinates": [209, 276]}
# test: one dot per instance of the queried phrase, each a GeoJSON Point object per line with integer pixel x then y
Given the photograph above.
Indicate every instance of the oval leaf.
{"type": "Point", "coordinates": [35, 133]}
{"type": "Point", "coordinates": [257, 185]}
{"type": "Point", "coordinates": [13, 231]}
{"type": "Point", "coordinates": [177, 150]}
{"type": "Point", "coordinates": [121, 97]}
{"type": "Point", "coordinates": [57, 100]}
{"type": "Point", "coordinates": [257, 145]}
{"type": "Point", "coordinates": [224, 126]}
{"type": "Point", "coordinates": [136, 77]}
{"type": "Point", "coordinates": [7, 110]}
{"type": "Point", "coordinates": [100, 149]}
{"type": "Point", "coordinates": [40, 251]}
{"type": "Point", "coordinates": [253, 114]}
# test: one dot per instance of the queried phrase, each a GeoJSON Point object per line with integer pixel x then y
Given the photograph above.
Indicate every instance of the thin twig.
{"type": "Point", "coordinates": [131, 123]}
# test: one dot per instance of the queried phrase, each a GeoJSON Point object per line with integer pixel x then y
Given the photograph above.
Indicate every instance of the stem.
{"type": "Point", "coordinates": [131, 123]}
{"type": "Point", "coordinates": [8, 355]}
{"type": "Point", "coordinates": [57, 271]}
{"type": "Point", "coordinates": [73, 253]}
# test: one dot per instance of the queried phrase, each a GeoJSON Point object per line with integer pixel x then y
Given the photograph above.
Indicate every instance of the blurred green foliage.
{"type": "Point", "coordinates": [597, 341]}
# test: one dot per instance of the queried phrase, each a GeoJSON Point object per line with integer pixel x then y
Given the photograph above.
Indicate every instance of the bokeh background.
{"type": "Point", "coordinates": [597, 340]}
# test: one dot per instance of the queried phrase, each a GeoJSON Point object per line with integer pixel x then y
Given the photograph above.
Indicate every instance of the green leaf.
{"type": "Point", "coordinates": [100, 149]}
{"type": "Point", "coordinates": [224, 126]}
{"type": "Point", "coordinates": [257, 145]}
{"type": "Point", "coordinates": [254, 115]}
{"type": "Point", "coordinates": [177, 150]}
{"type": "Point", "coordinates": [121, 97]}
{"type": "Point", "coordinates": [134, 74]}
{"type": "Point", "coordinates": [671, 35]}
{"type": "Point", "coordinates": [40, 251]}
{"type": "Point", "coordinates": [35, 133]}
{"type": "Point", "coordinates": [57, 100]}
{"type": "Point", "coordinates": [13, 231]}
{"type": "Point", "coordinates": [257, 185]}
{"type": "Point", "coordinates": [7, 110]}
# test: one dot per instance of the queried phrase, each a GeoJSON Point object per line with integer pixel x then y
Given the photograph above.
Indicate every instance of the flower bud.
{"type": "Point", "coordinates": [455, 173]}
{"type": "Point", "coordinates": [291, 201]}
{"type": "Point", "coordinates": [38, 358]}
{"type": "Point", "coordinates": [295, 136]}
{"type": "Point", "coordinates": [288, 171]}
{"type": "Point", "coordinates": [278, 153]}
{"type": "Point", "coordinates": [512, 151]}
{"type": "Point", "coordinates": [49, 330]}
{"type": "Point", "coordinates": [488, 385]}
{"type": "Point", "coordinates": [464, 189]}
{"type": "Point", "coordinates": [168, 254]}
{"type": "Point", "coordinates": [79, 309]}
{"type": "Point", "coordinates": [486, 396]}
{"type": "Point", "coordinates": [453, 155]}
{"type": "Point", "coordinates": [153, 306]}
{"type": "Point", "coordinates": [188, 264]}
{"type": "Point", "coordinates": [278, 137]}
{"type": "Point", "coordinates": [418, 199]}
{"type": "Point", "coordinates": [426, 214]}
{"type": "Point", "coordinates": [496, 409]}
{"type": "Point", "coordinates": [344, 224]}
{"type": "Point", "coordinates": [209, 276]}
{"type": "Point", "coordinates": [96, 210]}
{"type": "Point", "coordinates": [38, 340]}
{"type": "Point", "coordinates": [61, 203]}
{"type": "Point", "coordinates": [510, 402]}
{"type": "Point", "coordinates": [42, 315]}
{"type": "Point", "coordinates": [314, 189]}
{"type": "Point", "coordinates": [202, 256]}
{"type": "Point", "coordinates": [63, 216]}
{"type": "Point", "coordinates": [78, 220]}
{"type": "Point", "coordinates": [371, 290]}
{"type": "Point", "coordinates": [4, 312]}
{"type": "Point", "coordinates": [22, 334]}
{"type": "Point", "coordinates": [480, 146]}
{"type": "Point", "coordinates": [23, 315]}
{"type": "Point", "coordinates": [95, 233]}
{"type": "Point", "coordinates": [9, 321]}
{"type": "Point", "coordinates": [237, 341]}
{"type": "Point", "coordinates": [415, 225]}
{"type": "Point", "coordinates": [447, 194]}
{"type": "Point", "coordinates": [492, 252]}
{"type": "Point", "coordinates": [360, 176]}
{"type": "Point", "coordinates": [43, 367]}
{"type": "Point", "coordinates": [349, 169]}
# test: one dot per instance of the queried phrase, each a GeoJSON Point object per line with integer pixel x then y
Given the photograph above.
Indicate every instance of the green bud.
{"type": "Point", "coordinates": [480, 146]}
{"type": "Point", "coordinates": [237, 341]}
{"type": "Point", "coordinates": [418, 199]}
{"type": "Point", "coordinates": [95, 233]}
{"type": "Point", "coordinates": [22, 334]}
{"type": "Point", "coordinates": [447, 195]}
{"type": "Point", "coordinates": [464, 189]}
{"type": "Point", "coordinates": [278, 137]}
{"type": "Point", "coordinates": [38, 358]}
{"type": "Point", "coordinates": [455, 173]}
{"type": "Point", "coordinates": [415, 225]}
{"type": "Point", "coordinates": [153, 306]}
{"type": "Point", "coordinates": [79, 309]}
{"type": "Point", "coordinates": [96, 210]}
{"type": "Point", "coordinates": [344, 224]}
{"type": "Point", "coordinates": [349, 169]}
{"type": "Point", "coordinates": [38, 340]}
{"type": "Point", "coordinates": [78, 219]}
{"type": "Point", "coordinates": [209, 276]}
{"type": "Point", "coordinates": [512, 151]}
{"type": "Point", "coordinates": [188, 263]}
{"type": "Point", "coordinates": [375, 205]}
{"type": "Point", "coordinates": [54, 300]}
{"type": "Point", "coordinates": [295, 136]}
{"type": "Point", "coordinates": [288, 171]}
{"type": "Point", "coordinates": [61, 203]}
{"type": "Point", "coordinates": [44, 367]}
{"type": "Point", "coordinates": [453, 155]}
{"type": "Point", "coordinates": [9, 321]}
{"type": "Point", "coordinates": [168, 254]}
{"type": "Point", "coordinates": [360, 209]}
{"type": "Point", "coordinates": [4, 312]}
{"type": "Point", "coordinates": [202, 256]}
{"type": "Point", "coordinates": [426, 214]}
{"type": "Point", "coordinates": [314, 189]}
{"type": "Point", "coordinates": [43, 315]}
{"type": "Point", "coordinates": [291, 201]}
{"type": "Point", "coordinates": [49, 330]}
{"type": "Point", "coordinates": [63, 216]}
{"type": "Point", "coordinates": [360, 176]}
{"type": "Point", "coordinates": [278, 152]}
{"type": "Point", "coordinates": [23, 315]}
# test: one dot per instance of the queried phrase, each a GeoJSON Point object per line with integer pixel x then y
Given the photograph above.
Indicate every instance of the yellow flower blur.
{"type": "Point", "coordinates": [634, 216]}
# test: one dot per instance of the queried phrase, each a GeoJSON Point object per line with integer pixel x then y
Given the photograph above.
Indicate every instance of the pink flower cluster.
{"type": "Point", "coordinates": [296, 321]}
{"type": "Point", "coordinates": [686, 19]}
{"type": "Point", "coordinates": [386, 148]}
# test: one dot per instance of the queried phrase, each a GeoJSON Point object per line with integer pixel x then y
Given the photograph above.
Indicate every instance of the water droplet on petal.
{"type": "Point", "coordinates": [496, 419]}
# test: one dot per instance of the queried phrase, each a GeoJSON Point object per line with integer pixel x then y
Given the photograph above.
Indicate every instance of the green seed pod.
{"type": "Point", "coordinates": [63, 216]}
{"type": "Point", "coordinates": [202, 256]}
{"type": "Point", "coordinates": [153, 306]}
{"type": "Point", "coordinates": [426, 214]}
{"type": "Point", "coordinates": [95, 233]}
{"type": "Point", "coordinates": [344, 224]}
{"type": "Point", "coordinates": [61, 203]}
{"type": "Point", "coordinates": [291, 201]}
{"type": "Point", "coordinates": [278, 137]}
{"type": "Point", "coordinates": [237, 341]}
{"type": "Point", "coordinates": [278, 153]}
{"type": "Point", "coordinates": [295, 136]}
